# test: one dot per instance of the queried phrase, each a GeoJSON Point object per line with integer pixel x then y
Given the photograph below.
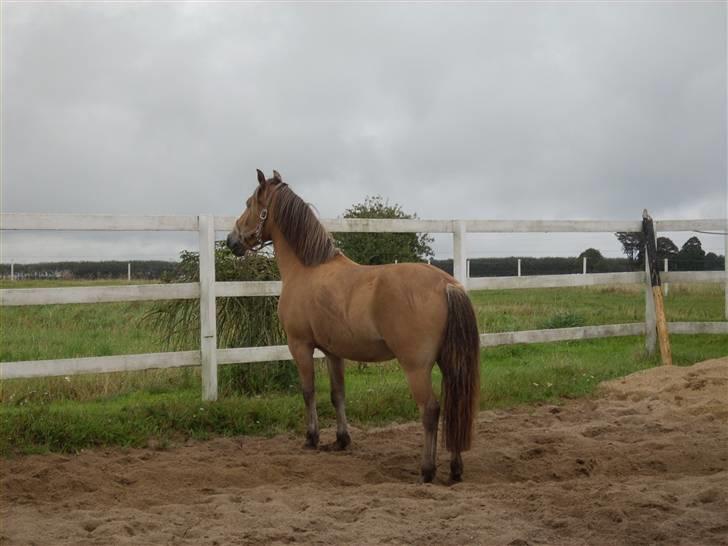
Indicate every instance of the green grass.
{"type": "Point", "coordinates": [77, 412]}
{"type": "Point", "coordinates": [508, 310]}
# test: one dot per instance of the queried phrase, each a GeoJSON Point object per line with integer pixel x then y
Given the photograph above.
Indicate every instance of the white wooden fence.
{"type": "Point", "coordinates": [207, 290]}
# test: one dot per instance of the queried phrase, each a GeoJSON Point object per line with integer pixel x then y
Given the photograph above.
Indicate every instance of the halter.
{"type": "Point", "coordinates": [262, 216]}
{"type": "Point", "coordinates": [259, 231]}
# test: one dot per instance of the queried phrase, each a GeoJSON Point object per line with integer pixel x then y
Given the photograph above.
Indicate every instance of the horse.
{"type": "Point", "coordinates": [413, 312]}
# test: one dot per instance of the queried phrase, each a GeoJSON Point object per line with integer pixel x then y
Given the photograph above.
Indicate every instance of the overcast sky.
{"type": "Point", "coordinates": [483, 110]}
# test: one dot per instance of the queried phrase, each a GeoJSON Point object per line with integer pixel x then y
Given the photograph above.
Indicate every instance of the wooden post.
{"type": "Point", "coordinates": [648, 231]}
{"type": "Point", "coordinates": [583, 268]}
{"type": "Point", "coordinates": [459, 267]}
{"type": "Point", "coordinates": [208, 326]}
{"type": "Point", "coordinates": [519, 267]}
{"type": "Point", "coordinates": [467, 268]}
{"type": "Point", "coordinates": [128, 271]}
{"type": "Point", "coordinates": [12, 272]}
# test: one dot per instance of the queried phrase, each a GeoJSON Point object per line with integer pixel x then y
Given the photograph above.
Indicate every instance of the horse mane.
{"type": "Point", "coordinates": [308, 238]}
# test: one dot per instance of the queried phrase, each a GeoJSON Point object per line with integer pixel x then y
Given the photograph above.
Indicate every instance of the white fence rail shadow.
{"type": "Point", "coordinates": [207, 290]}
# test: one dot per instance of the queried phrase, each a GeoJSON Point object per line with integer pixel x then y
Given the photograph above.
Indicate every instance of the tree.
{"type": "Point", "coordinates": [691, 255]}
{"type": "Point", "coordinates": [633, 246]}
{"type": "Point", "coordinates": [591, 254]}
{"type": "Point", "coordinates": [382, 248]}
{"type": "Point", "coordinates": [666, 248]}
{"type": "Point", "coordinates": [713, 262]}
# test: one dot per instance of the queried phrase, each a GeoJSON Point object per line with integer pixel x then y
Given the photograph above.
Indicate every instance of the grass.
{"type": "Point", "coordinates": [159, 407]}
{"type": "Point", "coordinates": [507, 310]}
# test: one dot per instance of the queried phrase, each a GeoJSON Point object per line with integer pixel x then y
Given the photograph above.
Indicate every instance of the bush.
{"type": "Point", "coordinates": [241, 322]}
{"type": "Point", "coordinates": [383, 248]}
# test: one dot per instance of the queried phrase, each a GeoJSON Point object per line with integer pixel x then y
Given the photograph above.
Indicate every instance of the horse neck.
{"type": "Point", "coordinates": [288, 262]}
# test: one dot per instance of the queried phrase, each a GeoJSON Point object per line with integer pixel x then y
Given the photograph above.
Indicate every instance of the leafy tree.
{"type": "Point", "coordinates": [666, 248]}
{"type": "Point", "coordinates": [382, 248]}
{"type": "Point", "coordinates": [713, 262]}
{"type": "Point", "coordinates": [691, 255]}
{"type": "Point", "coordinates": [591, 254]}
{"type": "Point", "coordinates": [633, 246]}
{"type": "Point", "coordinates": [692, 248]}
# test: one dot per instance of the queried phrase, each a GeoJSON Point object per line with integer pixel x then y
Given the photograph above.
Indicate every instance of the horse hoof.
{"type": "Point", "coordinates": [343, 441]}
{"type": "Point", "coordinates": [427, 475]}
{"type": "Point", "coordinates": [312, 441]}
{"type": "Point", "coordinates": [456, 469]}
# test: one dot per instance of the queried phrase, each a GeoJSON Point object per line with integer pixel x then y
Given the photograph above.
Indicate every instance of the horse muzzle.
{"type": "Point", "coordinates": [235, 245]}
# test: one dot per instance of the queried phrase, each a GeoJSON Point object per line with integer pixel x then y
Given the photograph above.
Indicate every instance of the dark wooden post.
{"type": "Point", "coordinates": [648, 231]}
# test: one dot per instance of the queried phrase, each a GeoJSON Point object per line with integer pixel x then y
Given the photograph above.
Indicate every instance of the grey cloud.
{"type": "Point", "coordinates": [491, 110]}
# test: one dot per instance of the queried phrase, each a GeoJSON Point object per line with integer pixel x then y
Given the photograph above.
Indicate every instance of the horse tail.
{"type": "Point", "coordinates": [459, 361]}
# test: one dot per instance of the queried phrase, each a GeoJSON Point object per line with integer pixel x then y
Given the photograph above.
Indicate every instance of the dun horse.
{"type": "Point", "coordinates": [413, 312]}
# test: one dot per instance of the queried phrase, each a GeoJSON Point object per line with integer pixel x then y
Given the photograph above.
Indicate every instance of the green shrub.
{"type": "Point", "coordinates": [241, 322]}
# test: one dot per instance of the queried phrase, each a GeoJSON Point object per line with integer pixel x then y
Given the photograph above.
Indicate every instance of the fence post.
{"type": "Point", "coordinates": [583, 268]}
{"type": "Point", "coordinates": [208, 326]}
{"type": "Point", "coordinates": [459, 267]}
{"type": "Point", "coordinates": [650, 315]}
{"type": "Point", "coordinates": [666, 286]}
{"type": "Point", "coordinates": [128, 271]}
{"type": "Point", "coordinates": [12, 272]}
{"type": "Point", "coordinates": [519, 267]}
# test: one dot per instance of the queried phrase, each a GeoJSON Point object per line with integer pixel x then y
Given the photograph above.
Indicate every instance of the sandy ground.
{"type": "Point", "coordinates": [645, 462]}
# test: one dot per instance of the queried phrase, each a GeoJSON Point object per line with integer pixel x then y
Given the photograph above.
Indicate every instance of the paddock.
{"type": "Point", "coordinates": [643, 462]}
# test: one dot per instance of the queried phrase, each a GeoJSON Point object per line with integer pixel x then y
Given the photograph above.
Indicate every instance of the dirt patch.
{"type": "Point", "coordinates": [646, 462]}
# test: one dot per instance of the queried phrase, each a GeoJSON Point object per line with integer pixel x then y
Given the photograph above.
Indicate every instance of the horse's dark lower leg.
{"type": "Point", "coordinates": [312, 430]}
{"type": "Point", "coordinates": [456, 467]}
{"type": "Point", "coordinates": [420, 382]}
{"type": "Point", "coordinates": [430, 418]}
{"type": "Point", "coordinates": [338, 400]}
{"type": "Point", "coordinates": [303, 354]}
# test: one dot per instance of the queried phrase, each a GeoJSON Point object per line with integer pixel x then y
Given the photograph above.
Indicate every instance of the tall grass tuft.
{"type": "Point", "coordinates": [241, 322]}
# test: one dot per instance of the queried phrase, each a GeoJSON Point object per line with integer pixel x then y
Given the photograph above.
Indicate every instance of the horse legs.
{"type": "Point", "coordinates": [336, 373]}
{"type": "Point", "coordinates": [421, 385]}
{"type": "Point", "coordinates": [303, 354]}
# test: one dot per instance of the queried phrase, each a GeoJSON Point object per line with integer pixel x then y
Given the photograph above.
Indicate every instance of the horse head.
{"type": "Point", "coordinates": [251, 231]}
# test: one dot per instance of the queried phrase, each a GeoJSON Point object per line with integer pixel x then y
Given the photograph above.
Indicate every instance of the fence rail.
{"type": "Point", "coordinates": [207, 290]}
{"type": "Point", "coordinates": [108, 222]}
{"type": "Point", "coordinates": [250, 355]}
{"type": "Point", "coordinates": [188, 291]}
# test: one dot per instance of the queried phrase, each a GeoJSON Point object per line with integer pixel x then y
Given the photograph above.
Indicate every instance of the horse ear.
{"type": "Point", "coordinates": [261, 177]}
{"type": "Point", "coordinates": [277, 176]}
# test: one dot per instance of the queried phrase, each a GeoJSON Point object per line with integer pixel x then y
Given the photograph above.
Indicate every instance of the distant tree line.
{"type": "Point", "coordinates": [140, 269]}
{"type": "Point", "coordinates": [506, 267]}
{"type": "Point", "coordinates": [690, 257]}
